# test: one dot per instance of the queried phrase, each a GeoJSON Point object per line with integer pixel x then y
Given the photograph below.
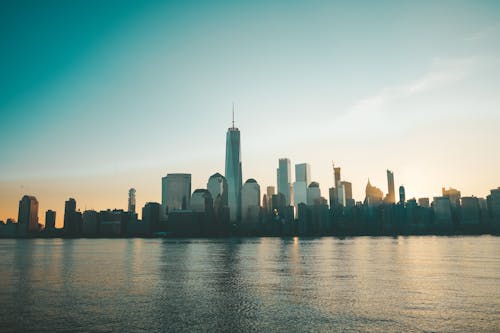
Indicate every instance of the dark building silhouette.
{"type": "Point", "coordinates": [70, 223]}
{"type": "Point", "coordinates": [50, 220]}
{"type": "Point", "coordinates": [28, 215]}
{"type": "Point", "coordinates": [151, 216]}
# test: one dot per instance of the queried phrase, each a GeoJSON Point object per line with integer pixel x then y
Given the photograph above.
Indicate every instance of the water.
{"type": "Point", "coordinates": [410, 284]}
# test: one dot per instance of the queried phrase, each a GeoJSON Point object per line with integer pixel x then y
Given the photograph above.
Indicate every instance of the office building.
{"type": "Point", "coordinates": [233, 172]}
{"type": "Point", "coordinates": [217, 186]}
{"type": "Point", "coordinates": [302, 180]}
{"type": "Point", "coordinates": [283, 176]}
{"type": "Point", "coordinates": [70, 223]}
{"type": "Point", "coordinates": [131, 200]}
{"type": "Point", "coordinates": [201, 201]}
{"type": "Point", "coordinates": [313, 194]}
{"type": "Point", "coordinates": [423, 202]}
{"type": "Point", "coordinates": [28, 214]}
{"type": "Point", "coordinates": [453, 195]}
{"type": "Point", "coordinates": [402, 195]}
{"type": "Point", "coordinates": [391, 195]}
{"type": "Point", "coordinates": [50, 220]}
{"type": "Point", "coordinates": [250, 201]}
{"type": "Point", "coordinates": [176, 192]}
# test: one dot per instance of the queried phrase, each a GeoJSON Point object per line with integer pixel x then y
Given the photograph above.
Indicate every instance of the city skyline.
{"type": "Point", "coordinates": [94, 105]}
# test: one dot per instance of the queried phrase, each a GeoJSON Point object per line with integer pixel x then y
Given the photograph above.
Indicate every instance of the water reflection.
{"type": "Point", "coordinates": [255, 284]}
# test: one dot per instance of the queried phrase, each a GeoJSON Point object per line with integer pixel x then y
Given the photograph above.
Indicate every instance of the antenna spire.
{"type": "Point", "coordinates": [233, 114]}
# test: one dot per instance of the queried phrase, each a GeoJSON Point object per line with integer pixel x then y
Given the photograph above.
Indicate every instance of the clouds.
{"type": "Point", "coordinates": [443, 73]}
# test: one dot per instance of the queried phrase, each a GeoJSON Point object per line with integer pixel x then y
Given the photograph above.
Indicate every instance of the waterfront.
{"type": "Point", "coordinates": [419, 284]}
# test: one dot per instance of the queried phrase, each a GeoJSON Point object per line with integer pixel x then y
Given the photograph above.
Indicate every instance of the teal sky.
{"type": "Point", "coordinates": [100, 96]}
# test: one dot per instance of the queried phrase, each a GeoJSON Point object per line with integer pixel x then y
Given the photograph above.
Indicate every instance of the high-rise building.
{"type": "Point", "coordinates": [374, 195]}
{"type": "Point", "coordinates": [402, 195]}
{"type": "Point", "coordinates": [50, 220]}
{"type": "Point", "coordinates": [90, 221]}
{"type": "Point", "coordinates": [442, 210]}
{"type": "Point", "coordinates": [302, 180]}
{"type": "Point", "coordinates": [313, 194]}
{"type": "Point", "coordinates": [131, 200]}
{"type": "Point", "coordinates": [303, 173]}
{"type": "Point", "coordinates": [347, 190]}
{"type": "Point", "coordinates": [283, 175]}
{"type": "Point", "coordinates": [336, 171]}
{"type": "Point", "coordinates": [69, 216]}
{"type": "Point", "coordinates": [470, 212]}
{"type": "Point", "coordinates": [201, 201]}
{"type": "Point", "coordinates": [151, 216]}
{"type": "Point", "coordinates": [391, 194]}
{"type": "Point", "coordinates": [176, 192]}
{"type": "Point", "coordinates": [493, 203]}
{"type": "Point", "coordinates": [28, 214]}
{"type": "Point", "coordinates": [217, 186]}
{"type": "Point", "coordinates": [233, 172]}
{"type": "Point", "coordinates": [250, 200]}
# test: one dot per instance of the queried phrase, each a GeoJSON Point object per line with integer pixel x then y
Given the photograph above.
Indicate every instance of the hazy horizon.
{"type": "Point", "coordinates": [98, 98]}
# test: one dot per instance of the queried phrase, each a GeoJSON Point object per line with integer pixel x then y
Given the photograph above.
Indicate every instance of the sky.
{"type": "Point", "coordinates": [97, 97]}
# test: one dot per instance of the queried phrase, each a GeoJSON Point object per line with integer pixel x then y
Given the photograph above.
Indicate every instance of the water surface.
{"type": "Point", "coordinates": [410, 284]}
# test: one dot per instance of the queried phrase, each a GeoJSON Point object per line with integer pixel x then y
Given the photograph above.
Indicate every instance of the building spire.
{"type": "Point", "coordinates": [233, 114]}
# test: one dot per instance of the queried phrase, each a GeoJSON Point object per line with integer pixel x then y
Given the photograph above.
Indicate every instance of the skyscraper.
{"type": "Point", "coordinates": [217, 186]}
{"type": "Point", "coordinates": [402, 195]}
{"type": "Point", "coordinates": [391, 194]}
{"type": "Point", "coordinates": [69, 216]}
{"type": "Point", "coordinates": [283, 175]}
{"type": "Point", "coordinates": [302, 180]}
{"type": "Point", "coordinates": [50, 220]}
{"type": "Point", "coordinates": [250, 200]}
{"type": "Point", "coordinates": [336, 171]}
{"type": "Point", "coordinates": [233, 172]}
{"type": "Point", "coordinates": [347, 190]}
{"type": "Point", "coordinates": [176, 192]}
{"type": "Point", "coordinates": [28, 214]}
{"type": "Point", "coordinates": [131, 200]}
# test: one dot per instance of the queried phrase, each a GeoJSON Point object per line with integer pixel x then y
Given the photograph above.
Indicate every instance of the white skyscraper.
{"type": "Point", "coordinates": [302, 180]}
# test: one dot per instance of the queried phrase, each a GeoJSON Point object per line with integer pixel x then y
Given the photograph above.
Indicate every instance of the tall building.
{"type": "Point", "coordinates": [402, 195]}
{"type": "Point", "coordinates": [302, 179]}
{"type": "Point", "coordinates": [373, 194]}
{"type": "Point", "coordinates": [50, 220]}
{"type": "Point", "coordinates": [313, 194]}
{"type": "Point", "coordinates": [176, 192]}
{"type": "Point", "coordinates": [69, 216]}
{"type": "Point", "coordinates": [217, 186]}
{"type": "Point", "coordinates": [233, 172]}
{"type": "Point", "coordinates": [131, 200]}
{"type": "Point", "coordinates": [391, 195]}
{"type": "Point", "coordinates": [28, 214]}
{"type": "Point", "coordinates": [303, 173]}
{"type": "Point", "coordinates": [493, 203]}
{"type": "Point", "coordinates": [250, 200]}
{"type": "Point", "coordinates": [151, 216]}
{"type": "Point", "coordinates": [347, 190]}
{"type": "Point", "coordinates": [442, 210]}
{"type": "Point", "coordinates": [201, 201]}
{"type": "Point", "coordinates": [336, 171]}
{"type": "Point", "coordinates": [90, 223]}
{"type": "Point", "coordinates": [283, 175]}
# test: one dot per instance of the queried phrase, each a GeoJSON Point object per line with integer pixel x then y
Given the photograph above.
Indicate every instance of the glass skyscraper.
{"type": "Point", "coordinates": [233, 173]}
